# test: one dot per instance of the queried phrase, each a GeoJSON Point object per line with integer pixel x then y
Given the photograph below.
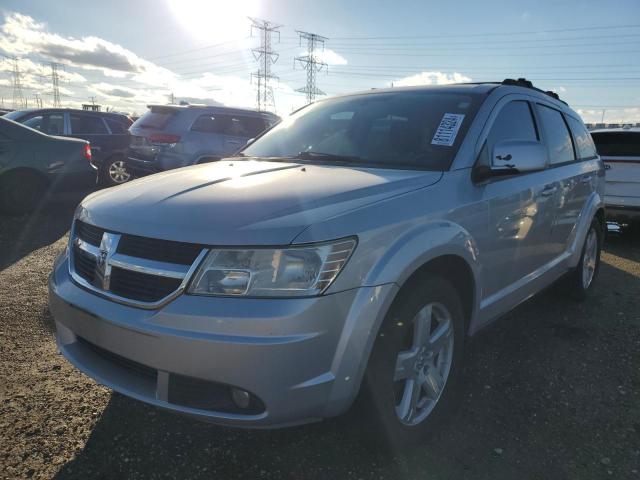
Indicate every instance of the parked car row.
{"type": "Point", "coordinates": [341, 259]}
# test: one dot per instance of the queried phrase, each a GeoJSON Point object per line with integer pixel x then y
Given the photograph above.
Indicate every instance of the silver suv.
{"type": "Point", "coordinates": [172, 136]}
{"type": "Point", "coordinates": [348, 252]}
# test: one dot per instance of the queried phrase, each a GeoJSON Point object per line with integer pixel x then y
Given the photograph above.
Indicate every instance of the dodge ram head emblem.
{"type": "Point", "coordinates": [108, 246]}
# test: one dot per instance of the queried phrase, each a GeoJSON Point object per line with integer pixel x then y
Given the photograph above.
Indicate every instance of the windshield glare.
{"type": "Point", "coordinates": [383, 129]}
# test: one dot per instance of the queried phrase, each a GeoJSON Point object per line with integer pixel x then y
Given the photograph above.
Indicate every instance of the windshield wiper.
{"type": "Point", "coordinates": [311, 155]}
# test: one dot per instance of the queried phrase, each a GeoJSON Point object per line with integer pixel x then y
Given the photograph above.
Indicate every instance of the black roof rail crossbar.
{"type": "Point", "coordinates": [523, 82]}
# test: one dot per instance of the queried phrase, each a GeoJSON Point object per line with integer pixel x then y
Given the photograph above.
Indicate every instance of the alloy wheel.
{"type": "Point", "coordinates": [118, 172]}
{"type": "Point", "coordinates": [421, 371]}
{"type": "Point", "coordinates": [590, 258]}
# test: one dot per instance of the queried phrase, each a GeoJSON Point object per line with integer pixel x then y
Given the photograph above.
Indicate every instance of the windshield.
{"type": "Point", "coordinates": [404, 129]}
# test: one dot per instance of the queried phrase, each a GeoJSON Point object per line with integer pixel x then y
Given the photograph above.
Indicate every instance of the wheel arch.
{"type": "Point", "coordinates": [457, 271]}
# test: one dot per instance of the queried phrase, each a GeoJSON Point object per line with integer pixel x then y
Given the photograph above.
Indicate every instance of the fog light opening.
{"type": "Point", "coordinates": [240, 397]}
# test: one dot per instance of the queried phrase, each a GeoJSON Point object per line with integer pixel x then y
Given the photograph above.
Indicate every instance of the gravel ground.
{"type": "Point", "coordinates": [551, 391]}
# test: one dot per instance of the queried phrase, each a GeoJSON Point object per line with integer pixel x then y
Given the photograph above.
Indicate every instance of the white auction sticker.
{"type": "Point", "coordinates": [448, 129]}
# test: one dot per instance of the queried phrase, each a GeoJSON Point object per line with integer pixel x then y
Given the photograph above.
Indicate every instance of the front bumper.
{"type": "Point", "coordinates": [302, 358]}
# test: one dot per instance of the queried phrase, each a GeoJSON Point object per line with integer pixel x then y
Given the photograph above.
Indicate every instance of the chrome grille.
{"type": "Point", "coordinates": [130, 269]}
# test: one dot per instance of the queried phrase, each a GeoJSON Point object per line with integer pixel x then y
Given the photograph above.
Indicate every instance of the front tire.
{"type": "Point", "coordinates": [414, 370]}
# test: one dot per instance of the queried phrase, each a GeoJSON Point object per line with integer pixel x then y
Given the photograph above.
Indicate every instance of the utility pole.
{"type": "Point", "coordinates": [603, 110]}
{"type": "Point", "coordinates": [55, 82]}
{"type": "Point", "coordinates": [172, 99]}
{"type": "Point", "coordinates": [311, 63]}
{"type": "Point", "coordinates": [93, 101]}
{"type": "Point", "coordinates": [16, 84]}
{"type": "Point", "coordinates": [265, 56]}
{"type": "Point", "coordinates": [38, 100]}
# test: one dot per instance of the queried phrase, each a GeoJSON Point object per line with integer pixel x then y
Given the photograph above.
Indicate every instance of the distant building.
{"type": "Point", "coordinates": [91, 107]}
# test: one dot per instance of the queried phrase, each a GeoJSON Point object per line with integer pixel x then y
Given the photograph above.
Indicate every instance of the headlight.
{"type": "Point", "coordinates": [261, 272]}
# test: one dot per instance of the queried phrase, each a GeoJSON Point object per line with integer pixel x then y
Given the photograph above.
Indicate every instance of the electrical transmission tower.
{"type": "Point", "coordinates": [16, 84]}
{"type": "Point", "coordinates": [311, 63]}
{"type": "Point", "coordinates": [38, 100]}
{"type": "Point", "coordinates": [55, 83]}
{"type": "Point", "coordinates": [265, 56]}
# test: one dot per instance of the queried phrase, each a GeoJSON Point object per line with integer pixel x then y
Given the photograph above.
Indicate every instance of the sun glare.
{"type": "Point", "coordinates": [215, 20]}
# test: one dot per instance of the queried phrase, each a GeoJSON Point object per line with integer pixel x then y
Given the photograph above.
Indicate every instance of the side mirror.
{"type": "Point", "coordinates": [519, 156]}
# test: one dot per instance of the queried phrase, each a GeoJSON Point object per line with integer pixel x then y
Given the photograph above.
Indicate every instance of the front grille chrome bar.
{"type": "Point", "coordinates": [136, 264]}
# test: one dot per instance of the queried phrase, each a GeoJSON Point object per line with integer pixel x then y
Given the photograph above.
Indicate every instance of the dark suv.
{"type": "Point", "coordinates": [172, 136]}
{"type": "Point", "coordinates": [107, 132]}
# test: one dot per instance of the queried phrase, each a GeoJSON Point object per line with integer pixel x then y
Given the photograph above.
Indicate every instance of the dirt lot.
{"type": "Point", "coordinates": [551, 391]}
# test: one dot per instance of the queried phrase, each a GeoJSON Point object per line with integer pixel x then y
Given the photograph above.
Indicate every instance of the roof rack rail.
{"type": "Point", "coordinates": [523, 82]}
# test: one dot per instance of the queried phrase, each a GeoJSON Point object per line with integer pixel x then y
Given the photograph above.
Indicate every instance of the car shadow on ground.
{"type": "Point", "coordinates": [624, 242]}
{"type": "Point", "coordinates": [21, 235]}
{"type": "Point", "coordinates": [549, 391]}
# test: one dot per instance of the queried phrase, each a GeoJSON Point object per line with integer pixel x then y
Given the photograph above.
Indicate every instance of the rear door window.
{"type": "Point", "coordinates": [54, 124]}
{"type": "Point", "coordinates": [557, 135]}
{"type": "Point", "coordinates": [617, 144]}
{"type": "Point", "coordinates": [117, 128]}
{"type": "Point", "coordinates": [242, 126]}
{"type": "Point", "coordinates": [207, 124]}
{"type": "Point", "coordinates": [34, 122]}
{"type": "Point", "coordinates": [87, 125]}
{"type": "Point", "coordinates": [584, 143]}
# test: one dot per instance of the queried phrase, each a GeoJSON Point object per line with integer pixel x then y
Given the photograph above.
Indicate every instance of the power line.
{"type": "Point", "coordinates": [311, 63]}
{"type": "Point", "coordinates": [265, 56]}
{"type": "Point", "coordinates": [492, 34]}
{"type": "Point", "coordinates": [194, 49]}
{"type": "Point", "coordinates": [448, 43]}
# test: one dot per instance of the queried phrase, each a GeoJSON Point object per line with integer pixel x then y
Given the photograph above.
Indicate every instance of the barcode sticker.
{"type": "Point", "coordinates": [448, 129]}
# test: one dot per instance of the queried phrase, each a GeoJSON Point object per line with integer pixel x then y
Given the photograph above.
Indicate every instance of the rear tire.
{"type": "Point", "coordinates": [579, 281]}
{"type": "Point", "coordinates": [410, 385]}
{"type": "Point", "coordinates": [113, 171]}
{"type": "Point", "coordinates": [21, 191]}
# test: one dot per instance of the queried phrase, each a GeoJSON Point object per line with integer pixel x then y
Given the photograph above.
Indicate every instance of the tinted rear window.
{"type": "Point", "coordinates": [116, 127]}
{"type": "Point", "coordinates": [207, 124]}
{"type": "Point", "coordinates": [87, 125]}
{"type": "Point", "coordinates": [557, 135]}
{"type": "Point", "coordinates": [617, 144]}
{"type": "Point", "coordinates": [584, 143]}
{"type": "Point", "coordinates": [155, 118]}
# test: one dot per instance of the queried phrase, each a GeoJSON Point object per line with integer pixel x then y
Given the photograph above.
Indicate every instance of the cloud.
{"type": "Point", "coordinates": [611, 115]}
{"type": "Point", "coordinates": [330, 57]}
{"type": "Point", "coordinates": [525, 16]}
{"type": "Point", "coordinates": [116, 76]}
{"type": "Point", "coordinates": [22, 35]}
{"type": "Point", "coordinates": [432, 78]}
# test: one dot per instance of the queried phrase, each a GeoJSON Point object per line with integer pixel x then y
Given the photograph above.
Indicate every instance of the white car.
{"type": "Point", "coordinates": [619, 148]}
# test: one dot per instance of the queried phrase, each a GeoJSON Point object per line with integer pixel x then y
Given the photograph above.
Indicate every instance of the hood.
{"type": "Point", "coordinates": [244, 202]}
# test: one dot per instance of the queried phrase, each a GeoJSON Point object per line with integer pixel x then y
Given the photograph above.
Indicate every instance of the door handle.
{"type": "Point", "coordinates": [586, 179]}
{"type": "Point", "coordinates": [548, 191]}
{"type": "Point", "coordinates": [506, 157]}
{"type": "Point", "coordinates": [607, 166]}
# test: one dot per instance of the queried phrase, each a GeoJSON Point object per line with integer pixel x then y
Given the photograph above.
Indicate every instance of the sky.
{"type": "Point", "coordinates": [125, 55]}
